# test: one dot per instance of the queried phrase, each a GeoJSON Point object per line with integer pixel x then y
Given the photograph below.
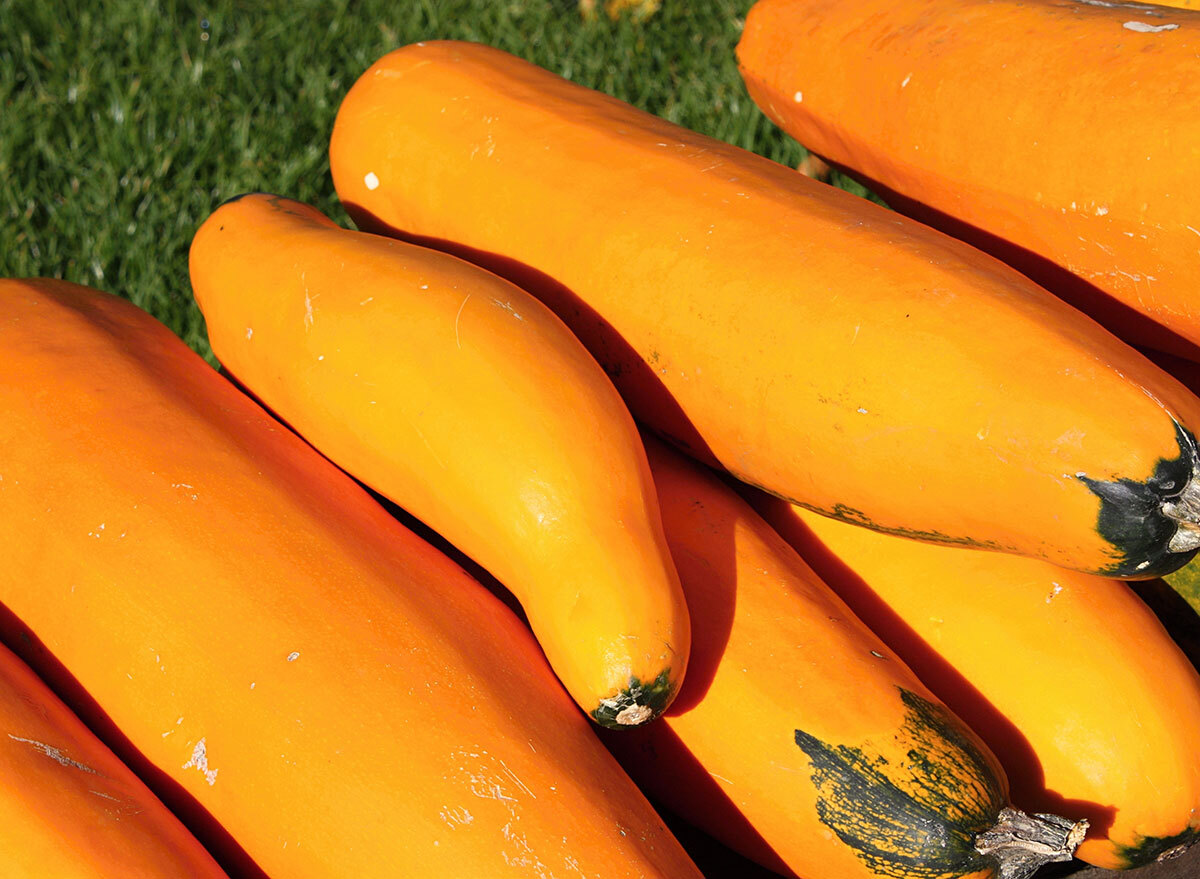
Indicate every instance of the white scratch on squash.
{"type": "Point", "coordinates": [54, 754]}
{"type": "Point", "coordinates": [457, 337]}
{"type": "Point", "coordinates": [371, 181]}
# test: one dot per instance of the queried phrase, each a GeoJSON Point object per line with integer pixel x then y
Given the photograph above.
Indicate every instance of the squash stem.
{"type": "Point", "coordinates": [1020, 843]}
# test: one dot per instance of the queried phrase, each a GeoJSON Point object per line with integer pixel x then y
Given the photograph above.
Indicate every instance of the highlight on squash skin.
{"type": "Point", "coordinates": [764, 750]}
{"type": "Point", "coordinates": [269, 637]}
{"type": "Point", "coordinates": [993, 636]}
{"type": "Point", "coordinates": [69, 809]}
{"type": "Point", "coordinates": [771, 323]}
{"type": "Point", "coordinates": [465, 401]}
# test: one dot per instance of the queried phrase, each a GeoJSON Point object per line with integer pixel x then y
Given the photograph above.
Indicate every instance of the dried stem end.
{"type": "Point", "coordinates": [1020, 843]}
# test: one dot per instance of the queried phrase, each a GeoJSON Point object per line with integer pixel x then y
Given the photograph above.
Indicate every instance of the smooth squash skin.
{"type": "Point", "coordinates": [1069, 678]}
{"type": "Point", "coordinates": [467, 402]}
{"type": "Point", "coordinates": [811, 342]}
{"type": "Point", "coordinates": [1059, 135]}
{"type": "Point", "coordinates": [799, 739]}
{"type": "Point", "coordinates": [69, 809]}
{"type": "Point", "coordinates": [342, 698]}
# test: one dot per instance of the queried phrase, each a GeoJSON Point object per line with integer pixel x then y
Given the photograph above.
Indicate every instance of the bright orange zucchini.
{"type": "Point", "coordinates": [1059, 135]}
{"type": "Point", "coordinates": [467, 402]}
{"type": "Point", "coordinates": [69, 809]}
{"type": "Point", "coordinates": [813, 343]}
{"type": "Point", "coordinates": [1070, 679]}
{"type": "Point", "coordinates": [799, 738]}
{"type": "Point", "coordinates": [341, 697]}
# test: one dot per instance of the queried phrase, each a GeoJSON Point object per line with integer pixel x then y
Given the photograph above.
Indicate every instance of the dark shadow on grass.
{"type": "Point", "coordinates": [232, 858]}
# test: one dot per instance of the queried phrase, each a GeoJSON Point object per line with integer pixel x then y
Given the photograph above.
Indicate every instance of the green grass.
{"type": "Point", "coordinates": [122, 127]}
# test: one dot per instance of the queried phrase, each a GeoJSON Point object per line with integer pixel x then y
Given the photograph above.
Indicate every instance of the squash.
{"type": "Point", "coordinates": [973, 116]}
{"type": "Point", "coordinates": [809, 341]}
{"type": "Point", "coordinates": [799, 739]}
{"type": "Point", "coordinates": [1033, 657]}
{"type": "Point", "coordinates": [342, 698]}
{"type": "Point", "coordinates": [69, 809]}
{"type": "Point", "coordinates": [467, 402]}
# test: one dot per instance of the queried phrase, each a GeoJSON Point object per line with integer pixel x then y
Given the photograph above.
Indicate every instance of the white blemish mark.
{"type": "Point", "coordinates": [861, 411]}
{"type": "Point", "coordinates": [507, 306]}
{"type": "Point", "coordinates": [320, 357]}
{"type": "Point", "coordinates": [293, 656]}
{"type": "Point", "coordinates": [906, 81]}
{"type": "Point", "coordinates": [456, 816]}
{"type": "Point", "coordinates": [249, 333]}
{"type": "Point", "coordinates": [1101, 211]}
{"type": "Point", "coordinates": [200, 761]}
{"type": "Point", "coordinates": [1191, 229]}
{"type": "Point", "coordinates": [96, 533]}
{"type": "Point", "coordinates": [167, 733]}
{"type": "Point", "coordinates": [105, 796]}
{"type": "Point", "coordinates": [189, 489]}
{"type": "Point", "coordinates": [857, 327]}
{"type": "Point", "coordinates": [457, 337]}
{"type": "Point", "coordinates": [423, 287]}
{"type": "Point", "coordinates": [798, 97]}
{"type": "Point", "coordinates": [1109, 4]}
{"type": "Point", "coordinates": [721, 778]}
{"type": "Point", "coordinates": [1143, 565]}
{"type": "Point", "coordinates": [371, 180]}
{"type": "Point", "coordinates": [308, 310]}
{"type": "Point", "coordinates": [368, 299]}
{"type": "Point", "coordinates": [253, 684]}
{"type": "Point", "coordinates": [54, 754]}
{"type": "Point", "coordinates": [1142, 28]}
{"type": "Point", "coordinates": [1054, 593]}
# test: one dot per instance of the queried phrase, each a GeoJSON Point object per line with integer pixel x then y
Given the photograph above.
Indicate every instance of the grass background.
{"type": "Point", "coordinates": [124, 123]}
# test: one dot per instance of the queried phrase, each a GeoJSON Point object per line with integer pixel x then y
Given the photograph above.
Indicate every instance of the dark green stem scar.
{"type": "Point", "coordinates": [1154, 526]}
{"type": "Point", "coordinates": [636, 704]}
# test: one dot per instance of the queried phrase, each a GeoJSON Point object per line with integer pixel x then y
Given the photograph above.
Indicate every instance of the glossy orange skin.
{"type": "Point", "coordinates": [1069, 678]}
{"type": "Point", "coordinates": [69, 809]}
{"type": "Point", "coordinates": [1047, 131]}
{"type": "Point", "coordinates": [467, 402]}
{"type": "Point", "coordinates": [813, 343]}
{"type": "Point", "coordinates": [365, 708]}
{"type": "Point", "coordinates": [774, 650]}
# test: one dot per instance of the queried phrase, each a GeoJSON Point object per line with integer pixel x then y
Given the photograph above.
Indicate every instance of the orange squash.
{"type": "Point", "coordinates": [467, 402]}
{"type": "Point", "coordinates": [799, 738]}
{"type": "Point", "coordinates": [813, 343]}
{"type": "Point", "coordinates": [69, 809]}
{"type": "Point", "coordinates": [1059, 135]}
{"type": "Point", "coordinates": [342, 698]}
{"type": "Point", "coordinates": [1069, 678]}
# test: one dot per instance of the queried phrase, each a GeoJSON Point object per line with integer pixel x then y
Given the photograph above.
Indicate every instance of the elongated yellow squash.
{"type": "Point", "coordinates": [813, 343]}
{"type": "Point", "coordinates": [465, 400]}
{"type": "Point", "coordinates": [342, 698]}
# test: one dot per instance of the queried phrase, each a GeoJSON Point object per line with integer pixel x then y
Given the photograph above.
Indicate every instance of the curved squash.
{"type": "Point", "coordinates": [467, 402]}
{"type": "Point", "coordinates": [931, 101]}
{"type": "Point", "coordinates": [342, 698]}
{"type": "Point", "coordinates": [1069, 678]}
{"type": "Point", "coordinates": [69, 809]}
{"type": "Point", "coordinates": [799, 738]}
{"type": "Point", "coordinates": [811, 342]}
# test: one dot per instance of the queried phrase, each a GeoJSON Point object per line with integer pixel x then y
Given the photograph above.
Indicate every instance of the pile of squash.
{"type": "Point", "coordinates": [820, 515]}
